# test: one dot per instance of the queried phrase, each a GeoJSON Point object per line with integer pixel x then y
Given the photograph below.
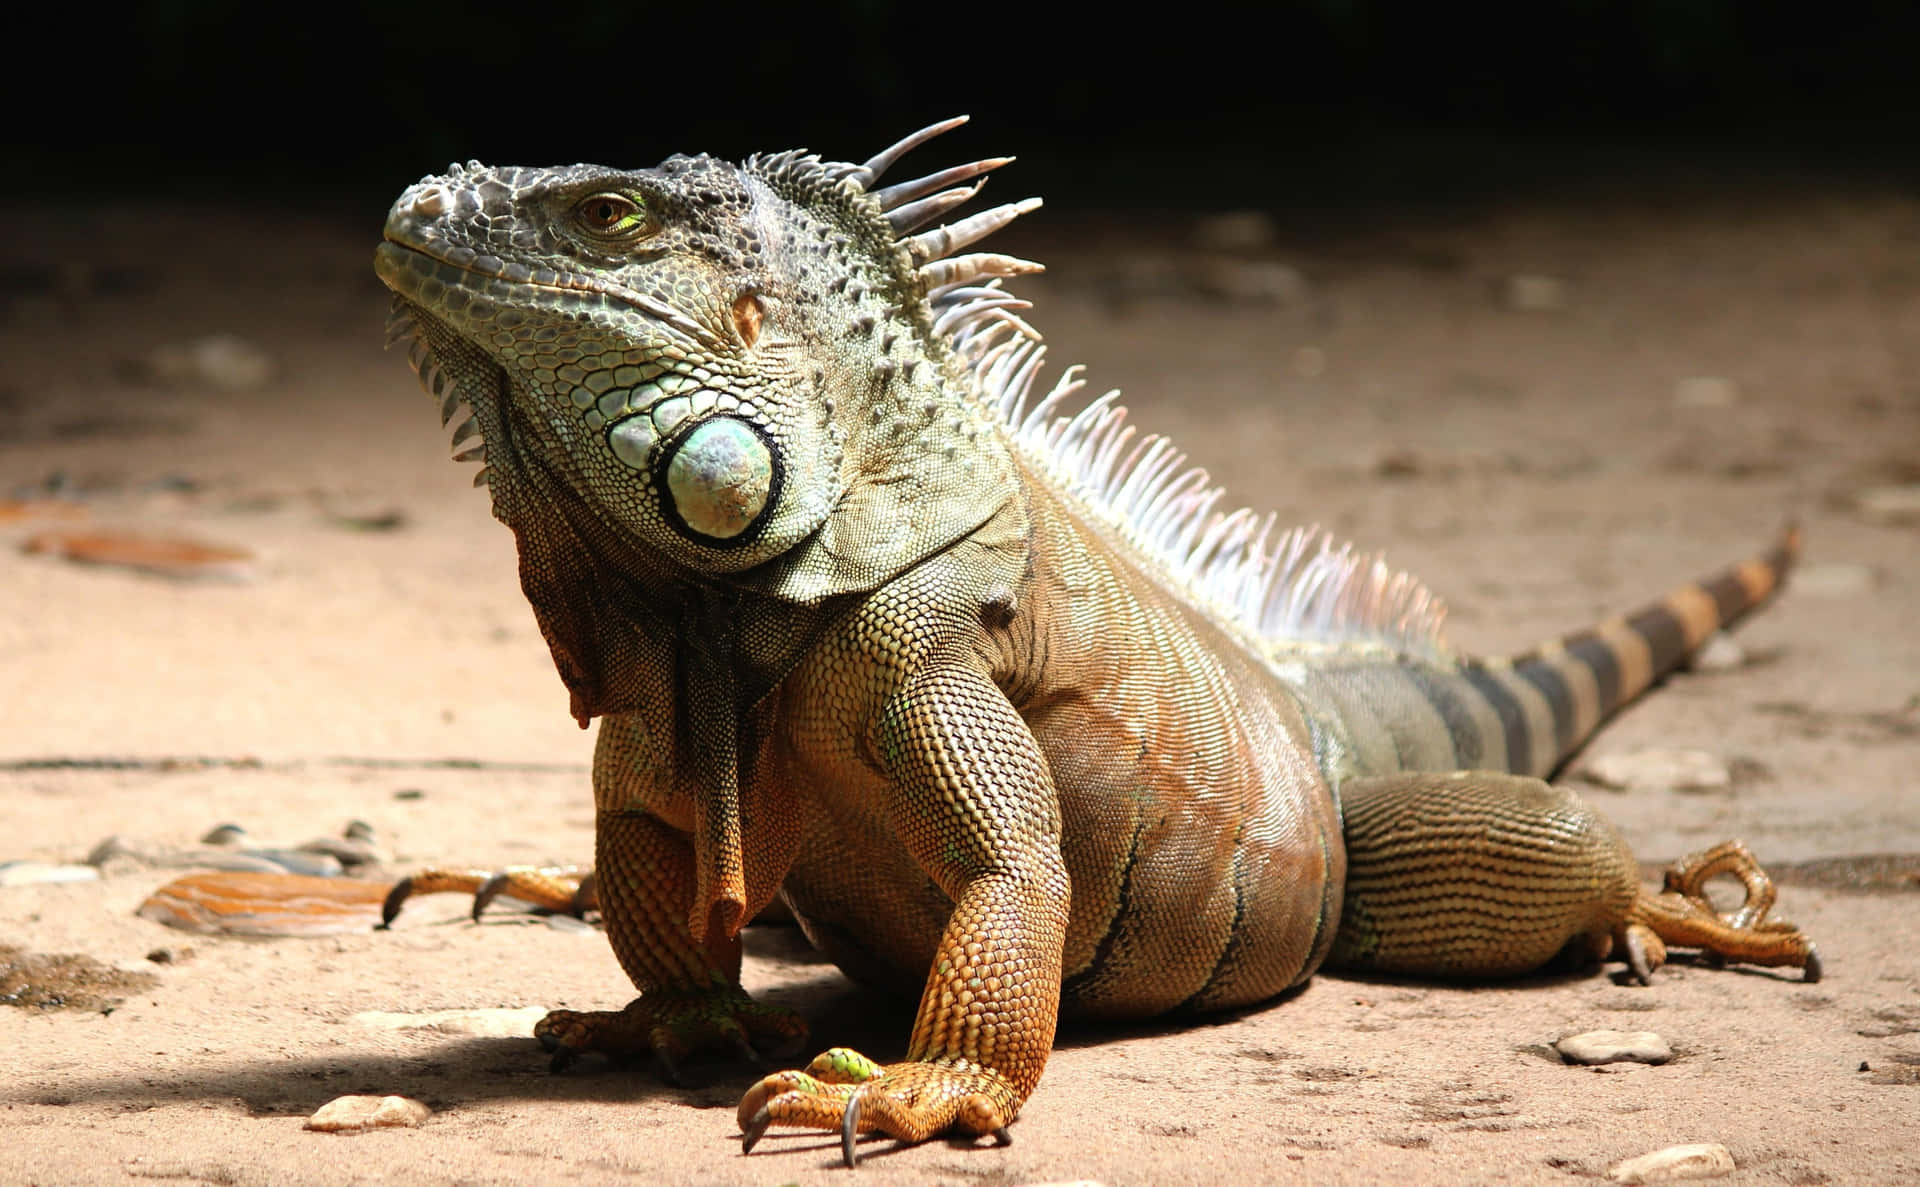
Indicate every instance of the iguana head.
{"type": "Point", "coordinates": [731, 371]}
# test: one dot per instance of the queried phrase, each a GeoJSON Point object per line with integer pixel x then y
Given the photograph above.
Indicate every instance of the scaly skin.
{"type": "Point", "coordinates": [860, 638]}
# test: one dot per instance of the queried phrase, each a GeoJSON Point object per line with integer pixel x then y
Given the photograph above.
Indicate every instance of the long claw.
{"type": "Point", "coordinates": [670, 1067]}
{"type": "Point", "coordinates": [1001, 1137]}
{"type": "Point", "coordinates": [755, 1129]}
{"type": "Point", "coordinates": [396, 898]}
{"type": "Point", "coordinates": [1811, 971]}
{"type": "Point", "coordinates": [745, 1049]}
{"type": "Point", "coordinates": [489, 890]}
{"type": "Point", "coordinates": [850, 1125]}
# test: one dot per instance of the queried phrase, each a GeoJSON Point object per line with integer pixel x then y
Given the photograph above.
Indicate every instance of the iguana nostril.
{"type": "Point", "coordinates": [720, 478]}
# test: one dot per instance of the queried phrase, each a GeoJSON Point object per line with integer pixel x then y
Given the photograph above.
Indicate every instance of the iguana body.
{"type": "Point", "coordinates": [996, 701]}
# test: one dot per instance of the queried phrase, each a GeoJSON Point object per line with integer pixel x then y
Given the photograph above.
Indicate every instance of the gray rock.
{"type": "Point", "coordinates": [1614, 1046]}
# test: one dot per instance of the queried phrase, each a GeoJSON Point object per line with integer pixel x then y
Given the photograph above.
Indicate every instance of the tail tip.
{"type": "Point", "coordinates": [1788, 549]}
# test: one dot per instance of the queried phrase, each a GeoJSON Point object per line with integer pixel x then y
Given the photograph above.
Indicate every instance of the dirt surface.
{"type": "Point", "coordinates": [1532, 448]}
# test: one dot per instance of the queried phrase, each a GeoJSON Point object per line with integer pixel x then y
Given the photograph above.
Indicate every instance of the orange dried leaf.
{"type": "Point", "coordinates": [244, 903]}
{"type": "Point", "coordinates": [170, 557]}
{"type": "Point", "coordinates": [14, 510]}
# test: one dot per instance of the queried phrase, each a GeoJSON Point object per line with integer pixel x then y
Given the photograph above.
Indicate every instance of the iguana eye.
{"type": "Point", "coordinates": [612, 214]}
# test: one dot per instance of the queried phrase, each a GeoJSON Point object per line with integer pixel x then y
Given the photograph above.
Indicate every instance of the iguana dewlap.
{"type": "Point", "coordinates": [984, 687]}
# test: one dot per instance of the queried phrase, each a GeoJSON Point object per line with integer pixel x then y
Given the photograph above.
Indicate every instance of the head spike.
{"type": "Point", "coordinates": [870, 172]}
{"type": "Point", "coordinates": [914, 215]}
{"type": "Point", "coordinates": [944, 241]}
{"type": "Point", "coordinates": [961, 269]}
{"type": "Point", "coordinates": [907, 191]}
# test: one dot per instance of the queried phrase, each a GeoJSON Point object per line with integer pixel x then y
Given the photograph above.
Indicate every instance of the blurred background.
{"type": "Point", "coordinates": [1197, 106]}
{"type": "Point", "coordinates": [1557, 302]}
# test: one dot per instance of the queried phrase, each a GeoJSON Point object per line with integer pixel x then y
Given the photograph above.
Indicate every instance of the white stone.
{"type": "Point", "coordinates": [1699, 1160]}
{"type": "Point", "coordinates": [1678, 770]}
{"type": "Point", "coordinates": [1889, 504]}
{"type": "Point", "coordinates": [1836, 579]}
{"type": "Point", "coordinates": [349, 1114]}
{"type": "Point", "coordinates": [1535, 293]}
{"type": "Point", "coordinates": [222, 361]}
{"type": "Point", "coordinates": [1706, 391]}
{"type": "Point", "coordinates": [1255, 282]}
{"type": "Point", "coordinates": [1720, 653]}
{"type": "Point", "coordinates": [1614, 1046]}
{"type": "Point", "coordinates": [26, 873]}
{"type": "Point", "coordinates": [1235, 231]}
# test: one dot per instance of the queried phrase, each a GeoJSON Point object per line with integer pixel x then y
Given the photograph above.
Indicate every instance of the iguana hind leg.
{"type": "Point", "coordinates": [1487, 874]}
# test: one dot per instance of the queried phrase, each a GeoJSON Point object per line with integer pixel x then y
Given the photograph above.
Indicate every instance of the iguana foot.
{"type": "Point", "coordinates": [671, 1024]}
{"type": "Point", "coordinates": [563, 890]}
{"type": "Point", "coordinates": [1681, 915]}
{"type": "Point", "coordinates": [844, 1090]}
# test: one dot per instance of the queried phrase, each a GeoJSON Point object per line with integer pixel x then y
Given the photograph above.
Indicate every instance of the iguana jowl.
{"type": "Point", "coordinates": [990, 693]}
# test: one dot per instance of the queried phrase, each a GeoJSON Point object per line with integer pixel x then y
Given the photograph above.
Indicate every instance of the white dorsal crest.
{"type": "Point", "coordinates": [1295, 586]}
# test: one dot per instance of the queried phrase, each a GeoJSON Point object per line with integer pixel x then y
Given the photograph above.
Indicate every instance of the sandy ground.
{"type": "Point", "coordinates": [1538, 467]}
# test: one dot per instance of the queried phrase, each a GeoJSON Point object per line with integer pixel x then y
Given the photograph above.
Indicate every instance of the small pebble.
{"type": "Point", "coordinates": [350, 1114]}
{"type": "Point", "coordinates": [1889, 504]}
{"type": "Point", "coordinates": [1706, 391]}
{"type": "Point", "coordinates": [1836, 579]}
{"type": "Point", "coordinates": [486, 1024]}
{"type": "Point", "coordinates": [1235, 230]}
{"type": "Point", "coordinates": [27, 873]}
{"type": "Point", "coordinates": [1534, 293]}
{"type": "Point", "coordinates": [225, 362]}
{"type": "Point", "coordinates": [1678, 770]}
{"type": "Point", "coordinates": [1700, 1160]}
{"type": "Point", "coordinates": [1252, 282]}
{"type": "Point", "coordinates": [1614, 1046]}
{"type": "Point", "coordinates": [1720, 653]}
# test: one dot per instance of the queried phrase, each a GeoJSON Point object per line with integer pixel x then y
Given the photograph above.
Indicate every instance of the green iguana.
{"type": "Point", "coordinates": [987, 690]}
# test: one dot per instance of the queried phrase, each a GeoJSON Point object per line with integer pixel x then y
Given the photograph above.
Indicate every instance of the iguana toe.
{"type": "Point", "coordinates": [846, 1092]}
{"type": "Point", "coordinates": [561, 890]}
{"type": "Point", "coordinates": [671, 1025]}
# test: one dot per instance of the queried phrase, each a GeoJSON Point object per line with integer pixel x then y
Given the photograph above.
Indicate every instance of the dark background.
{"type": "Point", "coordinates": [1296, 102]}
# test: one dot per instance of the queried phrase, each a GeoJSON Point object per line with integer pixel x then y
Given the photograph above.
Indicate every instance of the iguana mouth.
{"type": "Point", "coordinates": [427, 270]}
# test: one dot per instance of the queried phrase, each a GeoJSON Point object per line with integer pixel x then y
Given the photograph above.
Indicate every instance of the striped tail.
{"type": "Point", "coordinates": [1553, 698]}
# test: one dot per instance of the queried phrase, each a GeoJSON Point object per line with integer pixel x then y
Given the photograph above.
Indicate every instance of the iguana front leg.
{"type": "Point", "coordinates": [973, 803]}
{"type": "Point", "coordinates": [690, 995]}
